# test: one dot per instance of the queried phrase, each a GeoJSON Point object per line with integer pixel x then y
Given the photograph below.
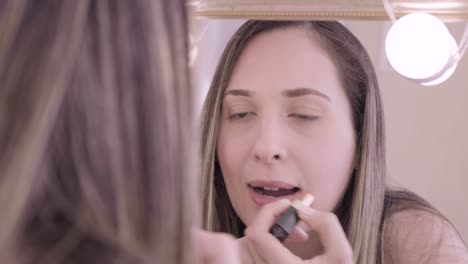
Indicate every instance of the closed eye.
{"type": "Point", "coordinates": [241, 115]}
{"type": "Point", "coordinates": [304, 117]}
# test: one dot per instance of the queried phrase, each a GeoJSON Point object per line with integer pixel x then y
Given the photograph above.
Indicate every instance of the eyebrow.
{"type": "Point", "coordinates": [288, 93]}
{"type": "Point", "coordinates": [238, 92]}
{"type": "Point", "coordinates": [304, 91]}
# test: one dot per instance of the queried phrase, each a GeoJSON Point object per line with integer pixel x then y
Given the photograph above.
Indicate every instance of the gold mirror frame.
{"type": "Point", "coordinates": [447, 10]}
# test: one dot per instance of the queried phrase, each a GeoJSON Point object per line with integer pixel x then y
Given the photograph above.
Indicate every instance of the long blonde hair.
{"type": "Point", "coordinates": [361, 207]}
{"type": "Point", "coordinates": [367, 204]}
{"type": "Point", "coordinates": [95, 120]}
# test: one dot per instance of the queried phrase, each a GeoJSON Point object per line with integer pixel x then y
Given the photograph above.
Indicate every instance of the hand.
{"type": "Point", "coordinates": [214, 248]}
{"type": "Point", "coordinates": [263, 247]}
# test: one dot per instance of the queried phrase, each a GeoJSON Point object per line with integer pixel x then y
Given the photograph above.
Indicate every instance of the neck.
{"type": "Point", "coordinates": [306, 249]}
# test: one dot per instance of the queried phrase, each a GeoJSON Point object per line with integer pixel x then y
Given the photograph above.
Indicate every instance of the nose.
{"type": "Point", "coordinates": [269, 144]}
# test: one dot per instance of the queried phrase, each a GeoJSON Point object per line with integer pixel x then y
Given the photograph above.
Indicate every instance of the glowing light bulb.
{"type": "Point", "coordinates": [420, 47]}
{"type": "Point", "coordinates": [449, 69]}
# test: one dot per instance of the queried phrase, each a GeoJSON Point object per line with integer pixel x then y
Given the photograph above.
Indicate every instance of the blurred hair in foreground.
{"type": "Point", "coordinates": [95, 121]}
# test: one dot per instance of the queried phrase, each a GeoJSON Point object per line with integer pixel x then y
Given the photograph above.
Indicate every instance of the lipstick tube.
{"type": "Point", "coordinates": [286, 222]}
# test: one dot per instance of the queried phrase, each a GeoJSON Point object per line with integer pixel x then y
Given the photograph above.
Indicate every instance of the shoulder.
{"type": "Point", "coordinates": [420, 236]}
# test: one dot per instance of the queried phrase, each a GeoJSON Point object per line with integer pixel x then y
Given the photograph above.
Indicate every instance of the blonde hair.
{"type": "Point", "coordinates": [95, 120]}
{"type": "Point", "coordinates": [366, 204]}
{"type": "Point", "coordinates": [361, 207]}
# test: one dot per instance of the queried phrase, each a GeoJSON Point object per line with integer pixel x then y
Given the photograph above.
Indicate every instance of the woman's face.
{"type": "Point", "coordinates": [286, 126]}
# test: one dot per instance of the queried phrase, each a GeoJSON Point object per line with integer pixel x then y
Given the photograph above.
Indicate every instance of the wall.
{"type": "Point", "coordinates": [427, 129]}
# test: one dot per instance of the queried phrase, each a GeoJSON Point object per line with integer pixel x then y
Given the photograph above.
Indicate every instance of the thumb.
{"type": "Point", "coordinates": [261, 242]}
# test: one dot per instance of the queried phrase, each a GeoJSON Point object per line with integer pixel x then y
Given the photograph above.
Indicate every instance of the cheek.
{"type": "Point", "coordinates": [328, 166]}
{"type": "Point", "coordinates": [232, 151]}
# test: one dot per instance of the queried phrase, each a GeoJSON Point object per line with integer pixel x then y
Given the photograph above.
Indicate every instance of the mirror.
{"type": "Point", "coordinates": [448, 10]}
{"type": "Point", "coordinates": [426, 127]}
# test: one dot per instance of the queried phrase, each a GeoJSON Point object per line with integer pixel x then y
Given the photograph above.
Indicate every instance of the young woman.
{"type": "Point", "coordinates": [95, 118]}
{"type": "Point", "coordinates": [295, 108]}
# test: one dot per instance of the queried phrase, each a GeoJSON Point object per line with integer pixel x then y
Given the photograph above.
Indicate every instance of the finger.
{"type": "Point", "coordinates": [246, 256]}
{"type": "Point", "coordinates": [330, 232]}
{"type": "Point", "coordinates": [303, 226]}
{"type": "Point", "coordinates": [216, 247]}
{"type": "Point", "coordinates": [268, 215]}
{"type": "Point", "coordinates": [261, 242]}
{"type": "Point", "coordinates": [298, 235]}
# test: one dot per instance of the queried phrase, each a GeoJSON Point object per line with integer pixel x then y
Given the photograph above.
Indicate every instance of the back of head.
{"type": "Point", "coordinates": [94, 110]}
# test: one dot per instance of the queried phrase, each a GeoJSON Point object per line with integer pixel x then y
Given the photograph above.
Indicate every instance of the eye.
{"type": "Point", "coordinates": [241, 115]}
{"type": "Point", "coordinates": [304, 117]}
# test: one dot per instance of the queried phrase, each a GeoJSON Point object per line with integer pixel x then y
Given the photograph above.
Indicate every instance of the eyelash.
{"type": "Point", "coordinates": [241, 115]}
{"type": "Point", "coordinates": [304, 117]}
{"type": "Point", "coordinates": [244, 115]}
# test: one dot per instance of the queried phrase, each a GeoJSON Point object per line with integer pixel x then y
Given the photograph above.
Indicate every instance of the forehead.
{"type": "Point", "coordinates": [284, 59]}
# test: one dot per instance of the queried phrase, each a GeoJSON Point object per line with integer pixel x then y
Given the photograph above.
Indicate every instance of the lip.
{"type": "Point", "coordinates": [261, 200]}
{"type": "Point", "coordinates": [275, 184]}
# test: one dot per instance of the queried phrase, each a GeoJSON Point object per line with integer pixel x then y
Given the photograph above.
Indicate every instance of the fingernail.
{"type": "Point", "coordinates": [300, 230]}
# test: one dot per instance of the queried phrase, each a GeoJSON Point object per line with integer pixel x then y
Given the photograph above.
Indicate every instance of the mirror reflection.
{"type": "Point", "coordinates": [302, 107]}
